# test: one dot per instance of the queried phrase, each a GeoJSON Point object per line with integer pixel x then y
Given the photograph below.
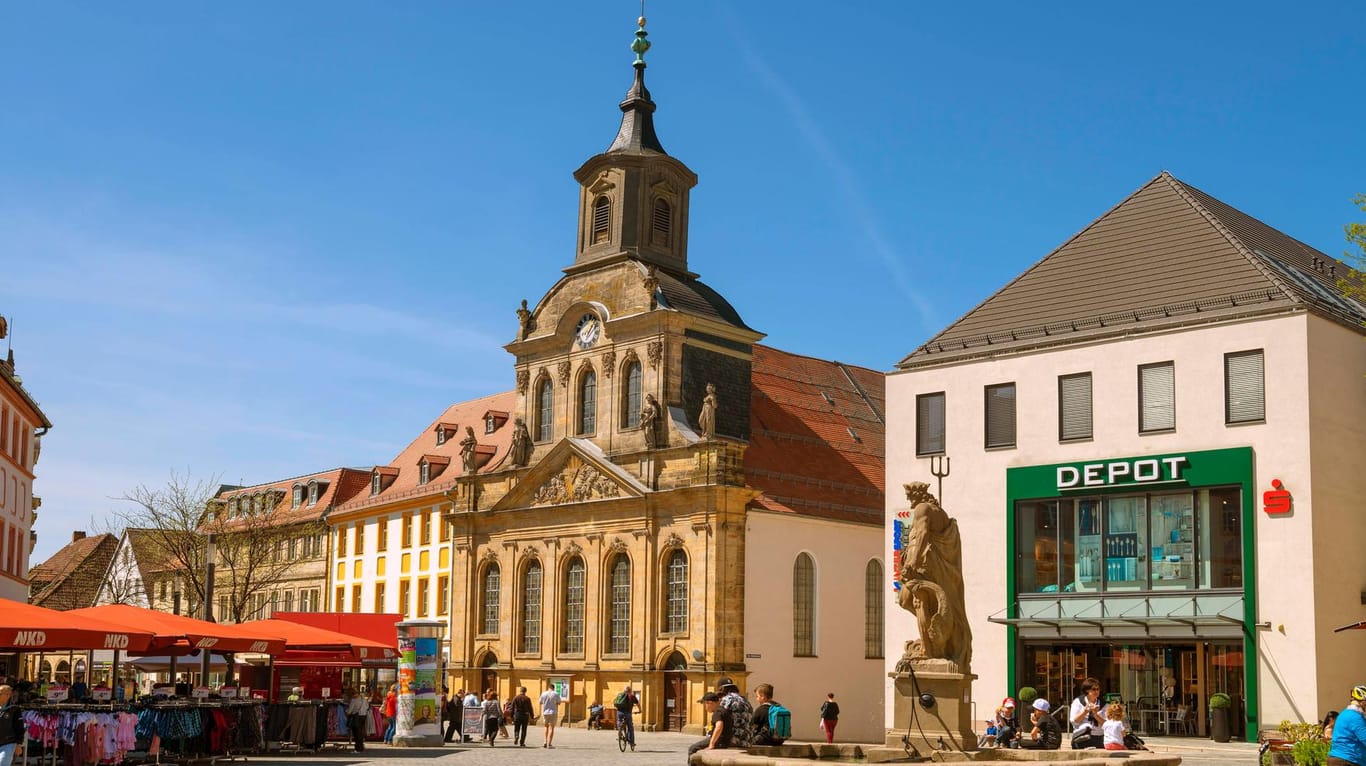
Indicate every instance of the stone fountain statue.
{"type": "Point", "coordinates": [931, 580]}
{"type": "Point", "coordinates": [936, 667]}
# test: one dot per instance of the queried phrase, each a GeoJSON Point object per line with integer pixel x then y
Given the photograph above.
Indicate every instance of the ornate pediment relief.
{"type": "Point", "coordinates": [576, 483]}
{"type": "Point", "coordinates": [574, 471]}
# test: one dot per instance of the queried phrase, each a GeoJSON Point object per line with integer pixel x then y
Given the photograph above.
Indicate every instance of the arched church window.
{"type": "Point", "coordinates": [676, 608]}
{"type": "Point", "coordinates": [663, 220]}
{"type": "Point", "coordinates": [872, 610]}
{"type": "Point", "coordinates": [545, 412]}
{"type": "Point", "coordinates": [804, 606]}
{"type": "Point", "coordinates": [493, 581]}
{"type": "Point", "coordinates": [602, 219]}
{"type": "Point", "coordinates": [531, 609]}
{"type": "Point", "coordinates": [588, 403]}
{"type": "Point", "coordinates": [574, 576]}
{"type": "Point", "coordinates": [619, 629]}
{"type": "Point", "coordinates": [631, 396]}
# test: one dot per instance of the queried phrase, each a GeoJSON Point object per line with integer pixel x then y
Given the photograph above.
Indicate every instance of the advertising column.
{"type": "Point", "coordinates": [419, 722]}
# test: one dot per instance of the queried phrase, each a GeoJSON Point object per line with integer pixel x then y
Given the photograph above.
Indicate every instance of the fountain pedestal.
{"type": "Point", "coordinates": [947, 724]}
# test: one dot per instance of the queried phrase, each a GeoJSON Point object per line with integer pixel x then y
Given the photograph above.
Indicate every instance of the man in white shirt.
{"type": "Point", "coordinates": [550, 710]}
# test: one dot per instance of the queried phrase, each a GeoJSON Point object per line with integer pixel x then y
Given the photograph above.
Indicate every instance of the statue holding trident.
{"type": "Point", "coordinates": [931, 580]}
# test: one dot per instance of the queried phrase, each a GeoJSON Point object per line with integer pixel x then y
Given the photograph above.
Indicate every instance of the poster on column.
{"type": "Point", "coordinates": [425, 714]}
{"type": "Point", "coordinates": [407, 673]}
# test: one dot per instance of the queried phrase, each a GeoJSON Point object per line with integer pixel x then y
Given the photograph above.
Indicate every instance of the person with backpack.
{"type": "Point", "coordinates": [625, 702]}
{"type": "Point", "coordinates": [771, 722]}
{"type": "Point", "coordinates": [740, 713]}
{"type": "Point", "coordinates": [830, 716]}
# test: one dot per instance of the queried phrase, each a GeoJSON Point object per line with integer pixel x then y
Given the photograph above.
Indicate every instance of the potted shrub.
{"type": "Point", "coordinates": [1026, 696]}
{"type": "Point", "coordinates": [1218, 716]}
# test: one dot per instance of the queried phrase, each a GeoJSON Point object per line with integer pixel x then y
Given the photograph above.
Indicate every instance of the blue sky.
{"type": "Point", "coordinates": [261, 239]}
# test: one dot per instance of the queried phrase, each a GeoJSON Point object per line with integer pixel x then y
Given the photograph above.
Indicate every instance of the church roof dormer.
{"type": "Point", "coordinates": [637, 132]}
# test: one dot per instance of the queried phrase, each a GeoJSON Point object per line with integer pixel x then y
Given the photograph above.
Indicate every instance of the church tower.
{"type": "Point", "coordinates": [621, 350]}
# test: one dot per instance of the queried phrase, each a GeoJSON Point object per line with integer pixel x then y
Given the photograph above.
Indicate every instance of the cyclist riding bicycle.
{"type": "Point", "coordinates": [625, 702]}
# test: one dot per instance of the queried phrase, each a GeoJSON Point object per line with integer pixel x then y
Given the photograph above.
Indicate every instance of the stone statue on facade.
{"type": "Point", "coordinates": [706, 419]}
{"type": "Point", "coordinates": [519, 454]}
{"type": "Point", "coordinates": [523, 320]}
{"type": "Point", "coordinates": [931, 578]}
{"type": "Point", "coordinates": [649, 421]}
{"type": "Point", "coordinates": [468, 450]}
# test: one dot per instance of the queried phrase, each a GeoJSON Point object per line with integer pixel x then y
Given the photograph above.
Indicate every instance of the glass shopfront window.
{"type": "Point", "coordinates": [1126, 543]}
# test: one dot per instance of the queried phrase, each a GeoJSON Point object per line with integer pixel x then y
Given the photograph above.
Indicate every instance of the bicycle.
{"type": "Point", "coordinates": [622, 740]}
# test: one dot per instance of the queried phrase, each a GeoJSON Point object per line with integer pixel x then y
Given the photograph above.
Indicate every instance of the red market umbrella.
{"type": "Point", "coordinates": [178, 634]}
{"type": "Point", "coordinates": [26, 627]}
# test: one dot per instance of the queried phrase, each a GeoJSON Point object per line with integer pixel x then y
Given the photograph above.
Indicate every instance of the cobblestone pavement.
{"type": "Point", "coordinates": [573, 747]}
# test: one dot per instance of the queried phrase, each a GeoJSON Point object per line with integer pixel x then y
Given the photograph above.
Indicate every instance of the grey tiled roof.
{"type": "Point", "coordinates": [690, 296]}
{"type": "Point", "coordinates": [1168, 254]}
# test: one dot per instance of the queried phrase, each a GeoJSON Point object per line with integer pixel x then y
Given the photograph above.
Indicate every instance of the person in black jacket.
{"type": "Point", "coordinates": [454, 712]}
{"type": "Point", "coordinates": [1047, 734]}
{"type": "Point", "coordinates": [11, 727]}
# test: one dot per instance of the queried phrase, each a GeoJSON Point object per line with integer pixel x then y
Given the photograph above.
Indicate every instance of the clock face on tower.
{"type": "Point", "coordinates": [588, 331]}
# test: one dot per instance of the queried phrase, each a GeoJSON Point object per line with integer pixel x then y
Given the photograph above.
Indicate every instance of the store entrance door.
{"type": "Point", "coordinates": [1164, 686]}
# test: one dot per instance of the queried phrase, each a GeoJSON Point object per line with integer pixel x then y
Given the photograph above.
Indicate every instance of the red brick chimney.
{"type": "Point", "coordinates": [77, 536]}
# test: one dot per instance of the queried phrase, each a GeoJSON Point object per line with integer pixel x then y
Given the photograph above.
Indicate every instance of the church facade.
{"type": "Point", "coordinates": [672, 502]}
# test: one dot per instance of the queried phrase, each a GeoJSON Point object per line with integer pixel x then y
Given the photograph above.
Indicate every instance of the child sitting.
{"type": "Point", "coordinates": [1115, 727]}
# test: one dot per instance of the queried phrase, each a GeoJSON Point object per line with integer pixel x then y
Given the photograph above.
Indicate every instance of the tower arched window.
{"type": "Point", "coordinates": [531, 609]}
{"type": "Point", "coordinates": [619, 629]}
{"type": "Point", "coordinates": [630, 396]}
{"type": "Point", "coordinates": [872, 610]}
{"type": "Point", "coordinates": [492, 587]}
{"type": "Point", "coordinates": [602, 219]}
{"type": "Point", "coordinates": [804, 606]}
{"type": "Point", "coordinates": [676, 597]}
{"type": "Point", "coordinates": [588, 403]}
{"type": "Point", "coordinates": [661, 229]}
{"type": "Point", "coordinates": [545, 410]}
{"type": "Point", "coordinates": [574, 582]}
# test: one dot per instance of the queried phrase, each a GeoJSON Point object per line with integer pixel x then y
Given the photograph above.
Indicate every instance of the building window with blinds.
{"type": "Point", "coordinates": [531, 610]}
{"type": "Point", "coordinates": [619, 631]}
{"type": "Point", "coordinates": [1074, 406]}
{"type": "Point", "coordinates": [492, 588]}
{"type": "Point", "coordinates": [1244, 387]}
{"type": "Point", "coordinates": [872, 610]}
{"type": "Point", "coordinates": [602, 219]}
{"type": "Point", "coordinates": [573, 606]}
{"type": "Point", "coordinates": [1157, 397]}
{"type": "Point", "coordinates": [929, 424]}
{"type": "Point", "coordinates": [804, 606]}
{"type": "Point", "coordinates": [1000, 415]}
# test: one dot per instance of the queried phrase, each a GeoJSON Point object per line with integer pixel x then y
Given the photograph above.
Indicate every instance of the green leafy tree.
{"type": "Point", "coordinates": [1354, 284]}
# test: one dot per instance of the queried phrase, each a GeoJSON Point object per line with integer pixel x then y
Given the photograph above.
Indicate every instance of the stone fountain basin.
{"type": "Point", "coordinates": [794, 754]}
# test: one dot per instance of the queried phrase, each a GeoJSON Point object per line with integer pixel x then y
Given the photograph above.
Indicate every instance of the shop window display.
{"type": "Point", "coordinates": [1128, 543]}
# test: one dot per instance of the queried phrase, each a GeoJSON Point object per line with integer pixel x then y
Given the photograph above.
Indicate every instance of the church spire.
{"type": "Point", "coordinates": [637, 132]}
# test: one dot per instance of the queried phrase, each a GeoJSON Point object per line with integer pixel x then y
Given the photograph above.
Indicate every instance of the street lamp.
{"type": "Point", "coordinates": [209, 554]}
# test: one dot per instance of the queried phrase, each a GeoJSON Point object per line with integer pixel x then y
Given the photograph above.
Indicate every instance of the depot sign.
{"type": "Point", "coordinates": [1114, 473]}
{"type": "Point", "coordinates": [1138, 473]}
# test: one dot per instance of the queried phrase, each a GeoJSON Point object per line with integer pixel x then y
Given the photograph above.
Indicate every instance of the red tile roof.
{"type": "Point", "coordinates": [342, 485]}
{"type": "Point", "coordinates": [459, 415]}
{"type": "Point", "coordinates": [817, 437]}
{"type": "Point", "coordinates": [71, 578]}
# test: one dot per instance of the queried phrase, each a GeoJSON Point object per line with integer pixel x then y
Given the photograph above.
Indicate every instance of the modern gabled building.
{"type": "Point", "coordinates": [1156, 437]}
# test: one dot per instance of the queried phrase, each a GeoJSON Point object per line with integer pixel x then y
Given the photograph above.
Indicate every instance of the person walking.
{"type": "Point", "coordinates": [11, 728]}
{"type": "Point", "coordinates": [1349, 733]}
{"type": "Point", "coordinates": [522, 713]}
{"type": "Point", "coordinates": [550, 711]}
{"type": "Point", "coordinates": [357, 710]}
{"type": "Point", "coordinates": [390, 714]}
{"type": "Point", "coordinates": [454, 712]}
{"type": "Point", "coordinates": [493, 716]}
{"type": "Point", "coordinates": [830, 716]}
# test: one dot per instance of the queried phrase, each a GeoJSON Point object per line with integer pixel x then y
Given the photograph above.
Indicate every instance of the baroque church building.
{"type": "Point", "coordinates": [672, 502]}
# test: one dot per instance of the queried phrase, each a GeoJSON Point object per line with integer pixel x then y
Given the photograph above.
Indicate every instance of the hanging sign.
{"type": "Point", "coordinates": [227, 692]}
{"type": "Point", "coordinates": [56, 693]}
{"type": "Point", "coordinates": [101, 693]}
{"type": "Point", "coordinates": [1276, 501]}
{"type": "Point", "coordinates": [200, 692]}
